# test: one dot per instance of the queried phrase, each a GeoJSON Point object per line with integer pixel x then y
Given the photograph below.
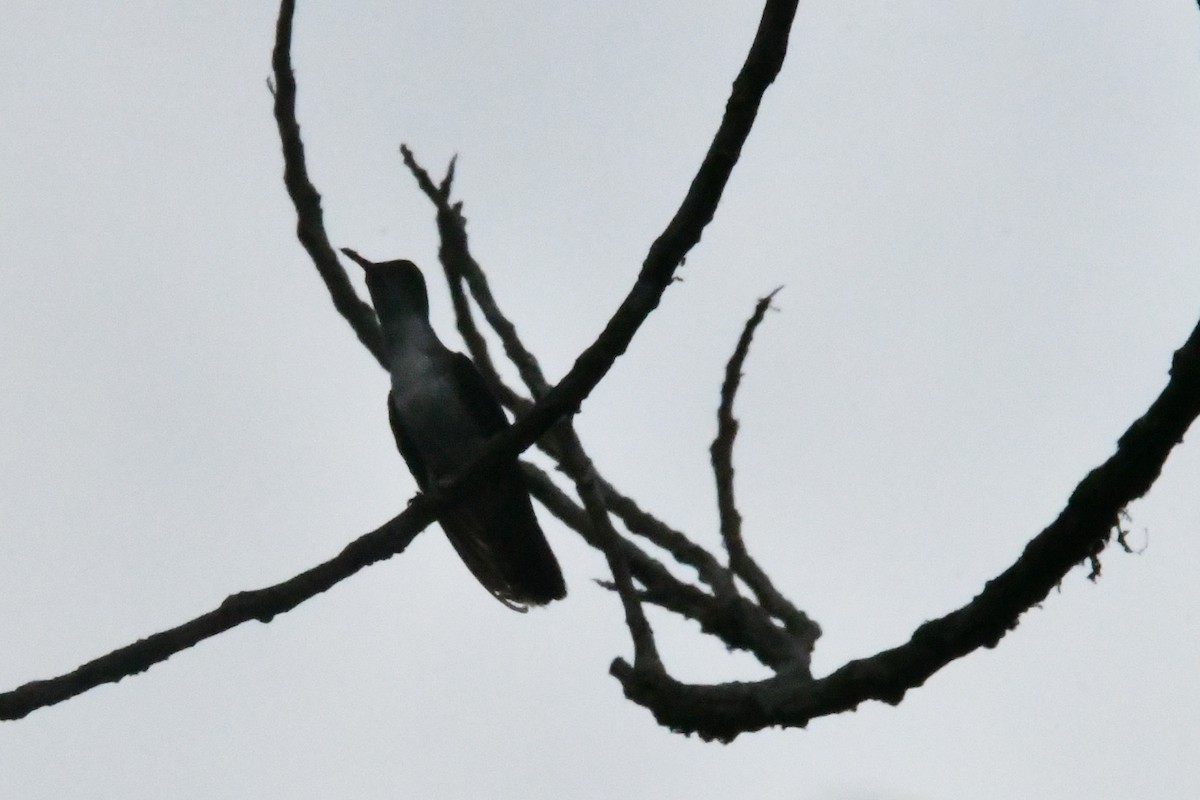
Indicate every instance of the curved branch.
{"type": "Point", "coordinates": [1078, 534]}
{"type": "Point", "coordinates": [762, 65]}
{"type": "Point", "coordinates": [310, 226]}
{"type": "Point", "coordinates": [721, 449]}
{"type": "Point", "coordinates": [741, 562]}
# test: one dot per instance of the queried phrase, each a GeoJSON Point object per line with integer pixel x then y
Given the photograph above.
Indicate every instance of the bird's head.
{"type": "Point", "coordinates": [397, 288]}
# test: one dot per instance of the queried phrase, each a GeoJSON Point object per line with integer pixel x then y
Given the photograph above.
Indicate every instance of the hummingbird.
{"type": "Point", "coordinates": [442, 413]}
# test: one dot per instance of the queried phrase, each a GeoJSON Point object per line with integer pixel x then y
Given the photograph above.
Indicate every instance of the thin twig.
{"type": "Point", "coordinates": [721, 449]}
{"type": "Point", "coordinates": [646, 569]}
{"type": "Point", "coordinates": [578, 465]}
{"type": "Point", "coordinates": [741, 562]}
{"type": "Point", "coordinates": [682, 549]}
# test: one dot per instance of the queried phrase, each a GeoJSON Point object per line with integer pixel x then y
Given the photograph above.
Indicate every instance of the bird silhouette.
{"type": "Point", "coordinates": [442, 413]}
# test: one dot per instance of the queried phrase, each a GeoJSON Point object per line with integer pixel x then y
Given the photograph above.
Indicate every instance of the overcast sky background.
{"type": "Point", "coordinates": [984, 216]}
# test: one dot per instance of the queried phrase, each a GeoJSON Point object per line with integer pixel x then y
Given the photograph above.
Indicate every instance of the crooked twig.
{"type": "Point", "coordinates": [457, 262]}
{"type": "Point", "coordinates": [721, 449]}
{"type": "Point", "coordinates": [740, 561]}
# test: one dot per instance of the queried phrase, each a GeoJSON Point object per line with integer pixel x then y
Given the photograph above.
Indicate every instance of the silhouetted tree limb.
{"type": "Point", "coordinates": [721, 449]}
{"type": "Point", "coordinates": [1079, 533]}
{"type": "Point", "coordinates": [310, 225]}
{"type": "Point", "coordinates": [681, 234]}
{"type": "Point", "coordinates": [263, 605]}
{"type": "Point", "coordinates": [460, 266]}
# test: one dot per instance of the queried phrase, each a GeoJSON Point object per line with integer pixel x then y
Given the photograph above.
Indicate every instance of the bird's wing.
{"type": "Point", "coordinates": [473, 549]}
{"type": "Point", "coordinates": [495, 531]}
{"type": "Point", "coordinates": [406, 446]}
{"type": "Point", "coordinates": [481, 403]}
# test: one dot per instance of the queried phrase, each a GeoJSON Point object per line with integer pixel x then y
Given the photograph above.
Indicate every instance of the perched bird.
{"type": "Point", "coordinates": [442, 413]}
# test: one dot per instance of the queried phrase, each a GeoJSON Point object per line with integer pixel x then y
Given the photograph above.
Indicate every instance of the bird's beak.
{"type": "Point", "coordinates": [357, 259]}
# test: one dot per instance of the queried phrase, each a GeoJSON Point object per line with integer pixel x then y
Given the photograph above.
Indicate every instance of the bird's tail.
{"type": "Point", "coordinates": [498, 537]}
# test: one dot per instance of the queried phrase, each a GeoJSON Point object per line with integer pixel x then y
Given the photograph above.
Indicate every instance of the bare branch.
{"type": "Point", "coordinates": [310, 225]}
{"type": "Point", "coordinates": [646, 569]}
{"type": "Point", "coordinates": [1081, 531]}
{"type": "Point", "coordinates": [675, 542]}
{"type": "Point", "coordinates": [579, 466]}
{"type": "Point", "coordinates": [261, 604]}
{"type": "Point", "coordinates": [460, 265]}
{"type": "Point", "coordinates": [737, 622]}
{"type": "Point", "coordinates": [448, 181]}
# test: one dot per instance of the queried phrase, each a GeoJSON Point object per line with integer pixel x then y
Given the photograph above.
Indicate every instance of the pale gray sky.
{"type": "Point", "coordinates": [985, 218]}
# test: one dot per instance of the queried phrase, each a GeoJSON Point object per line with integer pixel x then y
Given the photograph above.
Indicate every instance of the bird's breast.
{"type": "Point", "coordinates": [435, 417]}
